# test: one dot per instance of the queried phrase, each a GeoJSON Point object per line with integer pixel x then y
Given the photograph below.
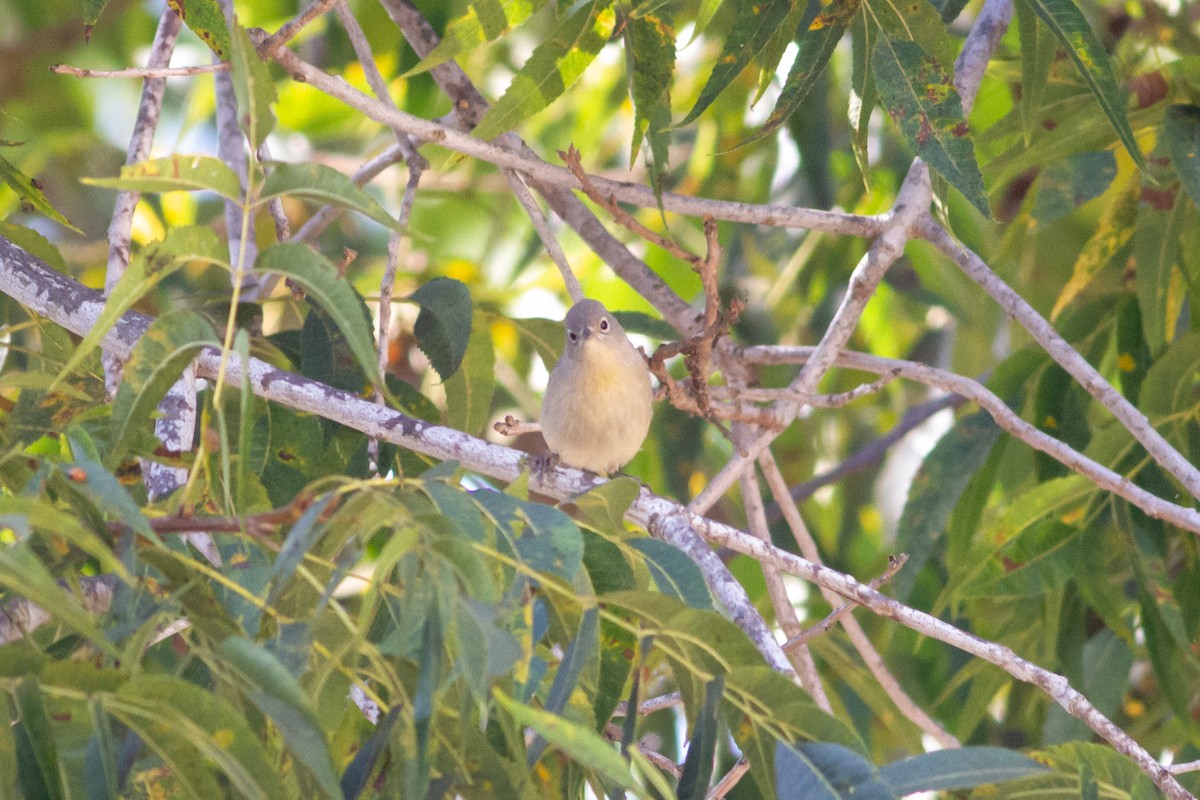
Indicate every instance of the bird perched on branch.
{"type": "Point", "coordinates": [597, 407]}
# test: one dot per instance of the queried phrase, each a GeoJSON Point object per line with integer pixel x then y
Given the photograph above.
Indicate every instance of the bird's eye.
{"type": "Point", "coordinates": [572, 335]}
{"type": "Point", "coordinates": [604, 324]}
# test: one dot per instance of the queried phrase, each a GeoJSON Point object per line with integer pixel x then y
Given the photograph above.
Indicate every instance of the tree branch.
{"type": "Point", "coordinates": [1061, 351]}
{"type": "Point", "coordinates": [75, 307]}
{"type": "Point", "coordinates": [1005, 417]}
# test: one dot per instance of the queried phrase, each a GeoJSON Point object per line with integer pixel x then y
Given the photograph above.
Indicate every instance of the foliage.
{"type": "Point", "coordinates": [499, 645]}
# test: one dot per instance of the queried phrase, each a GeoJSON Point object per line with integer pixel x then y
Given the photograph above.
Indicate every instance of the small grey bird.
{"type": "Point", "coordinates": [597, 407]}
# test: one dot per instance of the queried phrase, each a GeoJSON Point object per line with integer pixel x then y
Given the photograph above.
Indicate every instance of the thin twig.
{"type": "Point", "coordinates": [824, 626]}
{"type": "Point", "coordinates": [293, 27]}
{"type": "Point", "coordinates": [468, 108]}
{"type": "Point", "coordinates": [854, 632]}
{"type": "Point", "coordinates": [541, 172]}
{"type": "Point", "coordinates": [646, 707]}
{"type": "Point", "coordinates": [571, 158]}
{"type": "Point", "coordinates": [912, 204]}
{"type": "Point", "coordinates": [176, 421]}
{"type": "Point", "coordinates": [283, 228]}
{"type": "Point", "coordinates": [120, 226]}
{"type": "Point", "coordinates": [872, 452]}
{"type": "Point", "coordinates": [542, 226]}
{"type": "Point", "coordinates": [366, 58]}
{"type": "Point", "coordinates": [511, 426]}
{"type": "Point", "coordinates": [729, 780]}
{"type": "Point", "coordinates": [141, 72]}
{"type": "Point", "coordinates": [416, 166]}
{"type": "Point", "coordinates": [662, 762]}
{"type": "Point", "coordinates": [1100, 475]}
{"type": "Point", "coordinates": [785, 612]}
{"type": "Point", "coordinates": [909, 213]}
{"type": "Point", "coordinates": [231, 148]}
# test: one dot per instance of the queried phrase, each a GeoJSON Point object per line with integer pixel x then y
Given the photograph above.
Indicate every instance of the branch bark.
{"type": "Point", "coordinates": [75, 307]}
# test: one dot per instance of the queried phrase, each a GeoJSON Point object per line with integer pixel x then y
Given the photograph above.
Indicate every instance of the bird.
{"type": "Point", "coordinates": [597, 407]}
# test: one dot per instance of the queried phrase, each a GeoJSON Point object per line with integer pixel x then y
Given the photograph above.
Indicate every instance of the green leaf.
{"type": "Point", "coordinates": [1166, 654]}
{"type": "Point", "coordinates": [917, 21]}
{"type": "Point", "coordinates": [323, 283]}
{"type": "Point", "coordinates": [43, 516]}
{"type": "Point", "coordinates": [195, 594]}
{"type": "Point", "coordinates": [205, 19]}
{"type": "Point", "coordinates": [322, 184]}
{"type": "Point", "coordinates": [8, 752]}
{"type": "Point", "coordinates": [702, 747]}
{"type": "Point", "coordinates": [543, 537]}
{"type": "Point", "coordinates": [556, 64]}
{"type": "Point", "coordinates": [147, 270]}
{"type": "Point", "coordinates": [863, 96]}
{"type": "Point", "coordinates": [166, 732]}
{"type": "Point", "coordinates": [1162, 219]}
{"type": "Point", "coordinates": [254, 88]}
{"type": "Point", "coordinates": [582, 745]}
{"type": "Point", "coordinates": [31, 194]}
{"type": "Point", "coordinates": [777, 708]}
{"type": "Point", "coordinates": [277, 695]}
{"type": "Point", "coordinates": [936, 489]}
{"type": "Point", "coordinates": [487, 650]}
{"type": "Point", "coordinates": [1106, 662]}
{"type": "Point", "coordinates": [920, 97]}
{"type": "Point", "coordinates": [1067, 184]}
{"type": "Point", "coordinates": [354, 779]}
{"type": "Point", "coordinates": [753, 26]}
{"type": "Point", "coordinates": [469, 390]}
{"type": "Point", "coordinates": [704, 15]}
{"type": "Point", "coordinates": [815, 48]}
{"type": "Point", "coordinates": [1111, 770]}
{"type": "Point", "coordinates": [36, 725]}
{"type": "Point", "coordinates": [170, 343]}
{"type": "Point", "coordinates": [674, 573]}
{"type": "Point", "coordinates": [1070, 27]}
{"type": "Point", "coordinates": [91, 14]}
{"type": "Point", "coordinates": [23, 574]}
{"type": "Point", "coordinates": [1038, 49]}
{"type": "Point", "coordinates": [100, 762]}
{"type": "Point", "coordinates": [952, 770]}
{"type": "Point", "coordinates": [604, 506]}
{"type": "Point", "coordinates": [35, 244]}
{"type": "Point", "coordinates": [650, 65]}
{"type": "Point", "coordinates": [443, 328]}
{"type": "Point", "coordinates": [768, 60]}
{"type": "Point", "coordinates": [546, 336]}
{"type": "Point", "coordinates": [1110, 234]}
{"type": "Point", "coordinates": [826, 771]}
{"type": "Point", "coordinates": [632, 322]}
{"type": "Point", "coordinates": [104, 489]}
{"type": "Point", "coordinates": [219, 732]}
{"type": "Point", "coordinates": [177, 173]}
{"type": "Point", "coordinates": [1169, 386]}
{"type": "Point", "coordinates": [1181, 129]}
{"type": "Point", "coordinates": [484, 21]}
{"type": "Point", "coordinates": [299, 541]}
{"type": "Point", "coordinates": [579, 653]}
{"type": "Point", "coordinates": [1037, 542]}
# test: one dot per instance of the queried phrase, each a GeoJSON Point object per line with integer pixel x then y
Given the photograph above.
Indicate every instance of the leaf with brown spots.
{"type": "Point", "coordinates": [921, 99]}
{"type": "Point", "coordinates": [752, 29]}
